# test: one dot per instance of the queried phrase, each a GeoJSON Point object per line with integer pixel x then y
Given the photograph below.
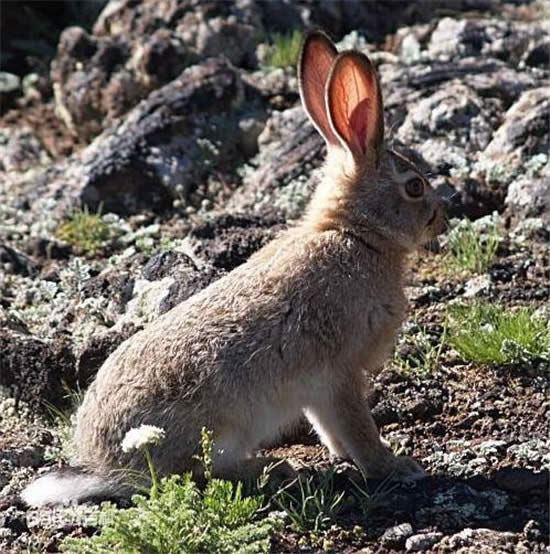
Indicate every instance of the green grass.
{"type": "Point", "coordinates": [86, 232]}
{"type": "Point", "coordinates": [471, 250]}
{"type": "Point", "coordinates": [489, 333]}
{"type": "Point", "coordinates": [284, 49]}
{"type": "Point", "coordinates": [311, 503]}
{"type": "Point", "coordinates": [180, 518]}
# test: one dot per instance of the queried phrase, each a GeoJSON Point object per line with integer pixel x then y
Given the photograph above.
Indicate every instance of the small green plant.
{"type": "Point", "coordinates": [62, 447]}
{"type": "Point", "coordinates": [87, 232]}
{"type": "Point", "coordinates": [425, 352]}
{"type": "Point", "coordinates": [471, 250]}
{"type": "Point", "coordinates": [178, 517]}
{"type": "Point", "coordinates": [312, 503]}
{"type": "Point", "coordinates": [488, 333]}
{"type": "Point", "coordinates": [284, 49]}
{"type": "Point", "coordinates": [367, 500]}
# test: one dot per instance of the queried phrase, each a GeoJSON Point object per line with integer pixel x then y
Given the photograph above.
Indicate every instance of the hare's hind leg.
{"type": "Point", "coordinates": [344, 420]}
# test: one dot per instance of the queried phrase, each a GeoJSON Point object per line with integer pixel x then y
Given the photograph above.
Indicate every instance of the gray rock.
{"type": "Point", "coordinates": [395, 536]}
{"type": "Point", "coordinates": [488, 539]}
{"type": "Point", "coordinates": [455, 112]}
{"type": "Point", "coordinates": [525, 131]}
{"type": "Point", "coordinates": [456, 38]}
{"type": "Point", "coordinates": [422, 541]}
{"type": "Point", "coordinates": [161, 150]}
{"type": "Point", "coordinates": [21, 150]}
{"type": "Point", "coordinates": [528, 197]}
{"type": "Point", "coordinates": [281, 177]}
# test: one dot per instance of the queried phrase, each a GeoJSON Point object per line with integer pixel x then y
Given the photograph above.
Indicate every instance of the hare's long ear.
{"type": "Point", "coordinates": [316, 57]}
{"type": "Point", "coordinates": [354, 105]}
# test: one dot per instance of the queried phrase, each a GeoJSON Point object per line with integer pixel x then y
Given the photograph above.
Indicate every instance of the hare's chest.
{"type": "Point", "coordinates": [380, 327]}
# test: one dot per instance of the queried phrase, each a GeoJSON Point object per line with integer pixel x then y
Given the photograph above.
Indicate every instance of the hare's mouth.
{"type": "Point", "coordinates": [432, 219]}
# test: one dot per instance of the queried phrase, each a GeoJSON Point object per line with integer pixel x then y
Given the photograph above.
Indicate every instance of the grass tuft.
{"type": "Point", "coordinates": [87, 233]}
{"type": "Point", "coordinates": [488, 333]}
{"type": "Point", "coordinates": [312, 503]}
{"type": "Point", "coordinates": [471, 250]}
{"type": "Point", "coordinates": [284, 49]}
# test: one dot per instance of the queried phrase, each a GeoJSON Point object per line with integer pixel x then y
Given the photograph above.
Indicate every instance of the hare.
{"type": "Point", "coordinates": [295, 330]}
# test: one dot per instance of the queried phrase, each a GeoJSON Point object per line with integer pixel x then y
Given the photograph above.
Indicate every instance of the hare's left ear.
{"type": "Point", "coordinates": [354, 105]}
{"type": "Point", "coordinates": [316, 57]}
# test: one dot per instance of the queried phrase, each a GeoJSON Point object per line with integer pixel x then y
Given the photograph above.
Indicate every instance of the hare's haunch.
{"type": "Point", "coordinates": [290, 332]}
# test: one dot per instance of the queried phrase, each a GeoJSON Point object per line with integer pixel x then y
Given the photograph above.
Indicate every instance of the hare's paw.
{"type": "Point", "coordinates": [407, 469]}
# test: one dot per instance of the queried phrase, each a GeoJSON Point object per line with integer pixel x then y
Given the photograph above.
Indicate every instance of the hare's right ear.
{"type": "Point", "coordinates": [354, 105]}
{"type": "Point", "coordinates": [316, 57]}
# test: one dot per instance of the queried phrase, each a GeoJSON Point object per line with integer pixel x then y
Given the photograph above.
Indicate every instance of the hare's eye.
{"type": "Point", "coordinates": [415, 187]}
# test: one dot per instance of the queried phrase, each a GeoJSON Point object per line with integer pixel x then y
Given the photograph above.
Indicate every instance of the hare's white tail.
{"type": "Point", "coordinates": [67, 486]}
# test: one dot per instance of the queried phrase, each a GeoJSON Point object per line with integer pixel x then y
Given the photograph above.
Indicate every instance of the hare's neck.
{"type": "Point", "coordinates": [331, 211]}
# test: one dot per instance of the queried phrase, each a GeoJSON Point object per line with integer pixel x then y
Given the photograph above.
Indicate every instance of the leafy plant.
{"type": "Point", "coordinates": [284, 49]}
{"type": "Point", "coordinates": [179, 518]}
{"type": "Point", "coordinates": [312, 503]}
{"type": "Point", "coordinates": [87, 232]}
{"type": "Point", "coordinates": [470, 249]}
{"type": "Point", "coordinates": [425, 355]}
{"type": "Point", "coordinates": [488, 333]}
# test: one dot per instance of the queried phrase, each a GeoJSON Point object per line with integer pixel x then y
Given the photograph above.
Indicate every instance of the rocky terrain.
{"type": "Point", "coordinates": [168, 126]}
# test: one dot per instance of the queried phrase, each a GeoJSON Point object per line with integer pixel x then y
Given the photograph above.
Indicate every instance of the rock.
{"type": "Point", "coordinates": [476, 285]}
{"type": "Point", "coordinates": [520, 480]}
{"type": "Point", "coordinates": [90, 355]}
{"type": "Point", "coordinates": [422, 541]}
{"type": "Point", "coordinates": [454, 112]}
{"type": "Point", "coordinates": [10, 89]}
{"type": "Point", "coordinates": [281, 178]}
{"type": "Point", "coordinates": [504, 40]}
{"type": "Point", "coordinates": [21, 150]}
{"type": "Point", "coordinates": [524, 132]}
{"type": "Point", "coordinates": [532, 530]}
{"type": "Point", "coordinates": [36, 371]}
{"type": "Point", "coordinates": [457, 38]}
{"type": "Point", "coordinates": [229, 240]}
{"type": "Point", "coordinates": [162, 149]}
{"type": "Point", "coordinates": [538, 54]}
{"type": "Point", "coordinates": [16, 262]}
{"type": "Point", "coordinates": [31, 456]}
{"type": "Point", "coordinates": [488, 539]}
{"type": "Point", "coordinates": [395, 536]}
{"type": "Point", "coordinates": [529, 198]}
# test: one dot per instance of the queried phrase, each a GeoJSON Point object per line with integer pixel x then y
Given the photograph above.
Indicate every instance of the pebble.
{"type": "Point", "coordinates": [422, 541]}
{"type": "Point", "coordinates": [396, 536]}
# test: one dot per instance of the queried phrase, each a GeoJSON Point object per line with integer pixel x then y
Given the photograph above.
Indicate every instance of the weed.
{"type": "Point", "coordinates": [312, 503]}
{"type": "Point", "coordinates": [425, 352]}
{"type": "Point", "coordinates": [179, 518]}
{"type": "Point", "coordinates": [369, 501]}
{"type": "Point", "coordinates": [488, 333]}
{"type": "Point", "coordinates": [284, 49]}
{"type": "Point", "coordinates": [64, 420]}
{"type": "Point", "coordinates": [470, 249]}
{"type": "Point", "coordinates": [87, 232]}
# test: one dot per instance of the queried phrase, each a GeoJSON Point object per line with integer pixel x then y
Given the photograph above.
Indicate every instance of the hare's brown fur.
{"type": "Point", "coordinates": [295, 330]}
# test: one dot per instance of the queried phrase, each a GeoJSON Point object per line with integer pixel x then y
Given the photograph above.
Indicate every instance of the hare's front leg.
{"type": "Point", "coordinates": [344, 422]}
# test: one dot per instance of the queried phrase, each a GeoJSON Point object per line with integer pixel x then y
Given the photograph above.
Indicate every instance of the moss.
{"type": "Point", "coordinates": [87, 233]}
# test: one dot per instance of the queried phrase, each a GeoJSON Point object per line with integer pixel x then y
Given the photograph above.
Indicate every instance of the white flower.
{"type": "Point", "coordinates": [142, 436]}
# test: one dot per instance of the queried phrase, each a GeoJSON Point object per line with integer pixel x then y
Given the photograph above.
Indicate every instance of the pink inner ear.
{"type": "Point", "coordinates": [358, 122]}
